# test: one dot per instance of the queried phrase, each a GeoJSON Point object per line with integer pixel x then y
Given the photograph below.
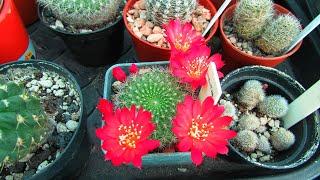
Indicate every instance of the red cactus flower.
{"type": "Point", "coordinates": [201, 129]}
{"type": "Point", "coordinates": [119, 74]}
{"type": "Point", "coordinates": [192, 67]}
{"type": "Point", "coordinates": [125, 136]}
{"type": "Point", "coordinates": [105, 107]}
{"type": "Point", "coordinates": [133, 69]}
{"type": "Point", "coordinates": [182, 37]}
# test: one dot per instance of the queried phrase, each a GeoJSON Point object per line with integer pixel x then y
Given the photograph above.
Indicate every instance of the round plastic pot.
{"type": "Point", "coordinates": [77, 151]}
{"type": "Point", "coordinates": [97, 48]}
{"type": "Point", "coordinates": [27, 10]}
{"type": "Point", "coordinates": [233, 53]}
{"type": "Point", "coordinates": [147, 51]}
{"type": "Point", "coordinates": [14, 38]}
{"type": "Point", "coordinates": [306, 131]}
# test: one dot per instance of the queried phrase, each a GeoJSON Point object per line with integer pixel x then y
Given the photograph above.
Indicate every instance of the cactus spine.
{"type": "Point", "coordinates": [84, 13]}
{"type": "Point", "coordinates": [251, 16]}
{"type": "Point", "coordinates": [274, 106]}
{"type": "Point", "coordinates": [23, 124]}
{"type": "Point", "coordinates": [250, 94]}
{"type": "Point", "coordinates": [161, 11]}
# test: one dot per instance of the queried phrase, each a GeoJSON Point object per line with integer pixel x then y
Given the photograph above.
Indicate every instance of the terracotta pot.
{"type": "Point", "coordinates": [149, 52]}
{"type": "Point", "coordinates": [27, 10]}
{"type": "Point", "coordinates": [233, 53]}
{"type": "Point", "coordinates": [218, 3]}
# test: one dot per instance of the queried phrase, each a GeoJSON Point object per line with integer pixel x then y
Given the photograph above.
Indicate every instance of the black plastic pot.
{"type": "Point", "coordinates": [306, 131]}
{"type": "Point", "coordinates": [97, 48]}
{"type": "Point", "coordinates": [73, 158]}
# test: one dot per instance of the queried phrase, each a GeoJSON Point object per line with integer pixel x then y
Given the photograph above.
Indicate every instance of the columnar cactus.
{"type": "Point", "coordinates": [279, 34]}
{"type": "Point", "coordinates": [250, 94]}
{"type": "Point", "coordinates": [161, 11]}
{"type": "Point", "coordinates": [158, 92]}
{"type": "Point", "coordinates": [274, 106]}
{"type": "Point", "coordinates": [23, 124]}
{"type": "Point", "coordinates": [251, 16]}
{"type": "Point", "coordinates": [84, 13]}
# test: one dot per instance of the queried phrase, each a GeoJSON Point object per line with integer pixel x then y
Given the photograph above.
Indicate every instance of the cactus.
{"type": "Point", "coordinates": [247, 140]}
{"type": "Point", "coordinates": [264, 145]}
{"type": "Point", "coordinates": [84, 13]}
{"type": "Point", "coordinates": [158, 92]}
{"type": "Point", "coordinates": [249, 122]}
{"type": "Point", "coordinates": [250, 94]}
{"type": "Point", "coordinates": [282, 139]}
{"type": "Point", "coordinates": [229, 109]}
{"type": "Point", "coordinates": [23, 124]}
{"type": "Point", "coordinates": [251, 16]}
{"type": "Point", "coordinates": [274, 106]}
{"type": "Point", "coordinates": [161, 11]}
{"type": "Point", "coordinates": [279, 34]}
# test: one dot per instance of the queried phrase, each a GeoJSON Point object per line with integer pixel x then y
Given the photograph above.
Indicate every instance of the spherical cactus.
{"type": "Point", "coordinates": [229, 108]}
{"type": "Point", "coordinates": [274, 106]}
{"type": "Point", "coordinates": [23, 124]}
{"type": "Point", "coordinates": [84, 13]}
{"type": "Point", "coordinates": [250, 94]}
{"type": "Point", "coordinates": [279, 34]}
{"type": "Point", "coordinates": [158, 92]}
{"type": "Point", "coordinates": [161, 11]}
{"type": "Point", "coordinates": [251, 16]}
{"type": "Point", "coordinates": [264, 145]}
{"type": "Point", "coordinates": [247, 140]}
{"type": "Point", "coordinates": [248, 122]}
{"type": "Point", "coordinates": [282, 139]}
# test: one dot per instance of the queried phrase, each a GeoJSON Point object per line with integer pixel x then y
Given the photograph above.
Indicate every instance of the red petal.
{"type": "Point", "coordinates": [105, 107]}
{"type": "Point", "coordinates": [225, 134]}
{"type": "Point", "coordinates": [217, 112]}
{"type": "Point", "coordinates": [196, 156]}
{"type": "Point", "coordinates": [196, 108]}
{"type": "Point", "coordinates": [210, 150]}
{"type": "Point", "coordinates": [217, 59]}
{"type": "Point", "coordinates": [117, 161]}
{"type": "Point", "coordinates": [119, 74]}
{"type": "Point", "coordinates": [137, 161]}
{"type": "Point", "coordinates": [208, 103]}
{"type": "Point", "coordinates": [150, 145]}
{"type": "Point", "coordinates": [185, 144]}
{"type": "Point", "coordinates": [220, 74]}
{"type": "Point", "coordinates": [133, 69]}
{"type": "Point", "coordinates": [222, 122]}
{"type": "Point", "coordinates": [180, 132]}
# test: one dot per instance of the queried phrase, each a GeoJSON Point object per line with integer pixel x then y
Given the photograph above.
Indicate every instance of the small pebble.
{"type": "Point", "coordinates": [54, 87]}
{"type": "Point", "coordinates": [253, 155]}
{"type": "Point", "coordinates": [264, 158]}
{"type": "Point", "coordinates": [61, 127]}
{"type": "Point", "coordinates": [42, 165]}
{"type": "Point", "coordinates": [277, 123]}
{"type": "Point", "coordinates": [9, 177]}
{"type": "Point", "coordinates": [233, 40]}
{"type": "Point", "coordinates": [59, 24]}
{"type": "Point", "coordinates": [59, 93]}
{"type": "Point", "coordinates": [46, 83]}
{"type": "Point", "coordinates": [271, 123]}
{"type": "Point", "coordinates": [154, 38]}
{"type": "Point", "coordinates": [72, 125]}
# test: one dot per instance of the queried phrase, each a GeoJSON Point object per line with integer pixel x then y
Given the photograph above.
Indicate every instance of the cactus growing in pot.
{"type": "Point", "coordinates": [23, 124]}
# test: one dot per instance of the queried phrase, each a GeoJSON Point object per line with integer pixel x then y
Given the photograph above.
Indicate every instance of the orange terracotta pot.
{"type": "Point", "coordinates": [27, 10]}
{"type": "Point", "coordinates": [218, 3]}
{"type": "Point", "coordinates": [232, 53]}
{"type": "Point", "coordinates": [149, 52]}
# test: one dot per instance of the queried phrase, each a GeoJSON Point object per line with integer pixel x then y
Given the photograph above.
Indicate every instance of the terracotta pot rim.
{"type": "Point", "coordinates": [127, 8]}
{"type": "Point", "coordinates": [260, 58]}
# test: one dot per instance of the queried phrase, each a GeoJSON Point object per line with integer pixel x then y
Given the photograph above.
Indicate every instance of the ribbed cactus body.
{"type": "Point", "coordinates": [158, 92]}
{"type": "Point", "coordinates": [251, 16]}
{"type": "Point", "coordinates": [23, 124]}
{"type": "Point", "coordinates": [161, 11]}
{"type": "Point", "coordinates": [84, 13]}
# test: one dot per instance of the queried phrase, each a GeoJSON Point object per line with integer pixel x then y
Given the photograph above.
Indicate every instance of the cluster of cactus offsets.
{"type": "Point", "coordinates": [161, 11]}
{"type": "Point", "coordinates": [84, 13]}
{"type": "Point", "coordinates": [282, 139]}
{"type": "Point", "coordinates": [247, 140]}
{"type": "Point", "coordinates": [279, 34]}
{"type": "Point", "coordinates": [274, 106]}
{"type": "Point", "coordinates": [249, 122]}
{"type": "Point", "coordinates": [23, 124]}
{"type": "Point", "coordinates": [158, 92]}
{"type": "Point", "coordinates": [250, 94]}
{"type": "Point", "coordinates": [251, 16]}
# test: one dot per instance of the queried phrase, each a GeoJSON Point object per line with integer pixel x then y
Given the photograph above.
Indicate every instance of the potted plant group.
{"type": "Point", "coordinates": [42, 122]}
{"type": "Point", "coordinates": [144, 19]}
{"type": "Point", "coordinates": [92, 30]}
{"type": "Point", "coordinates": [258, 32]}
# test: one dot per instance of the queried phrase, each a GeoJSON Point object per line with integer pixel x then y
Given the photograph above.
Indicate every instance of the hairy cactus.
{"type": "Point", "coordinates": [249, 122]}
{"type": "Point", "coordinates": [23, 124]}
{"type": "Point", "coordinates": [229, 108]}
{"type": "Point", "coordinates": [247, 140]}
{"type": "Point", "coordinates": [250, 94]}
{"type": "Point", "coordinates": [158, 92]}
{"type": "Point", "coordinates": [274, 106]}
{"type": "Point", "coordinates": [251, 16]}
{"type": "Point", "coordinates": [84, 13]}
{"type": "Point", "coordinates": [282, 139]}
{"type": "Point", "coordinates": [264, 145]}
{"type": "Point", "coordinates": [279, 34]}
{"type": "Point", "coordinates": [161, 11]}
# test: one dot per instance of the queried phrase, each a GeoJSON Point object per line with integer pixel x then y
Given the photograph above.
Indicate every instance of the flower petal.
{"type": "Point", "coordinates": [185, 144]}
{"type": "Point", "coordinates": [196, 156]}
{"type": "Point", "coordinates": [133, 69]}
{"type": "Point", "coordinates": [137, 161]}
{"type": "Point", "coordinates": [119, 74]}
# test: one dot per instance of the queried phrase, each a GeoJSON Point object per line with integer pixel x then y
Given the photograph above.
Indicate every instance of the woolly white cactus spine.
{"type": "Point", "coordinates": [250, 94]}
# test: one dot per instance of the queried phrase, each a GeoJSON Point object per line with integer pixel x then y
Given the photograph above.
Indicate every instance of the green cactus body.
{"type": "Point", "coordinates": [161, 11]}
{"type": "Point", "coordinates": [84, 13]}
{"type": "Point", "coordinates": [279, 34]}
{"type": "Point", "coordinates": [158, 92]}
{"type": "Point", "coordinates": [251, 16]}
{"type": "Point", "coordinates": [23, 124]}
{"type": "Point", "coordinates": [274, 106]}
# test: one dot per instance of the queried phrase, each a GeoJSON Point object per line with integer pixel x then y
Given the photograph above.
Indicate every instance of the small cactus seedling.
{"type": "Point", "coordinates": [84, 13]}
{"type": "Point", "coordinates": [251, 16]}
{"type": "Point", "coordinates": [247, 140]}
{"type": "Point", "coordinates": [249, 122]}
{"type": "Point", "coordinates": [282, 139]}
{"type": "Point", "coordinates": [279, 34]}
{"type": "Point", "coordinates": [229, 108]}
{"type": "Point", "coordinates": [162, 11]}
{"type": "Point", "coordinates": [274, 106]}
{"type": "Point", "coordinates": [158, 92]}
{"type": "Point", "coordinates": [250, 94]}
{"type": "Point", "coordinates": [264, 145]}
{"type": "Point", "coordinates": [23, 124]}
